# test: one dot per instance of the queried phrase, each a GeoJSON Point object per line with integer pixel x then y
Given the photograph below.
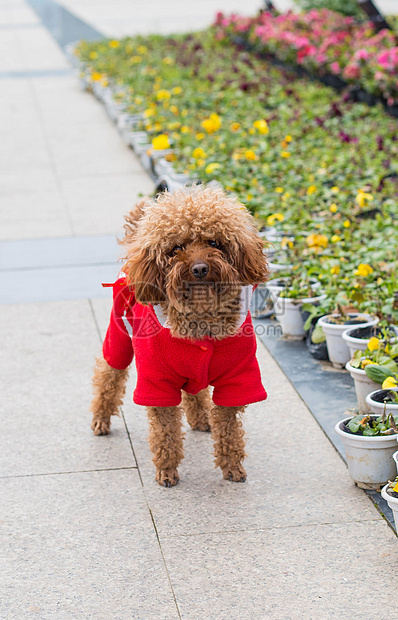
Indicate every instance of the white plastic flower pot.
{"type": "Point", "coordinates": [392, 502]}
{"type": "Point", "coordinates": [355, 342]}
{"type": "Point", "coordinates": [288, 313]}
{"type": "Point", "coordinates": [339, 353]}
{"type": "Point", "coordinates": [369, 459]}
{"type": "Point", "coordinates": [275, 267]}
{"type": "Point", "coordinates": [363, 387]}
{"type": "Point", "coordinates": [395, 457]}
{"type": "Point", "coordinates": [277, 285]}
{"type": "Point", "coordinates": [375, 402]}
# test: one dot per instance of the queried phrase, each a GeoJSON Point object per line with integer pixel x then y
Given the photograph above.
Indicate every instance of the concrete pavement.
{"type": "Point", "coordinates": [85, 530]}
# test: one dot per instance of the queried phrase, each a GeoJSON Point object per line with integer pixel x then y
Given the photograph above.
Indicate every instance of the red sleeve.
{"type": "Point", "coordinates": [118, 348]}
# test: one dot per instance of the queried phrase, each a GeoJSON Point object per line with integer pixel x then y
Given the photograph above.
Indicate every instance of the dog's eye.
{"type": "Point", "coordinates": [177, 248]}
{"type": "Point", "coordinates": [215, 244]}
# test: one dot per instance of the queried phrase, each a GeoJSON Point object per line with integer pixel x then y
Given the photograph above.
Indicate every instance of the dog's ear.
{"type": "Point", "coordinates": [249, 259]}
{"type": "Point", "coordinates": [144, 275]}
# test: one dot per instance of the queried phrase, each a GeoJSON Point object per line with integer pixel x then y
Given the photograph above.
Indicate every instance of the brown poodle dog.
{"type": "Point", "coordinates": [181, 308]}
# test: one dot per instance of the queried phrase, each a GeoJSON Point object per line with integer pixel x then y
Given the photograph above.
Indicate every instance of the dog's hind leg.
{"type": "Point", "coordinates": [166, 443]}
{"type": "Point", "coordinates": [109, 386]}
{"type": "Point", "coordinates": [229, 444]}
{"type": "Point", "coordinates": [197, 409]}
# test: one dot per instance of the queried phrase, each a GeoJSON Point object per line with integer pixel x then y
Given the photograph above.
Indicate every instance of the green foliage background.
{"type": "Point", "coordinates": [346, 7]}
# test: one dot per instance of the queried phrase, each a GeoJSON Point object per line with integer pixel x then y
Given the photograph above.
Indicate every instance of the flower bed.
{"type": "Point", "coordinates": [318, 172]}
{"type": "Point", "coordinates": [324, 43]}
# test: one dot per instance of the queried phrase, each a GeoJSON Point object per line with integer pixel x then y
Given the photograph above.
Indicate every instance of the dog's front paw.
{"type": "Point", "coordinates": [236, 473]}
{"type": "Point", "coordinates": [167, 477]}
{"type": "Point", "coordinates": [100, 427]}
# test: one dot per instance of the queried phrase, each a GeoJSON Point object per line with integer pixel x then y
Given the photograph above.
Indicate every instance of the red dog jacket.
{"type": "Point", "coordinates": [166, 365]}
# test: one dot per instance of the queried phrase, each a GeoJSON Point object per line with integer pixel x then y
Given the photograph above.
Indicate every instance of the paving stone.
{"type": "Point", "coordinates": [47, 358]}
{"type": "Point", "coordinates": [287, 573]}
{"type": "Point", "coordinates": [80, 546]}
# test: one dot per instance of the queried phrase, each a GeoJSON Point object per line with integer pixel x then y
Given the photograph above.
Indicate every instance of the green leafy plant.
{"type": "Point", "coordinates": [346, 7]}
{"type": "Point", "coordinates": [393, 487]}
{"type": "Point", "coordinates": [373, 426]}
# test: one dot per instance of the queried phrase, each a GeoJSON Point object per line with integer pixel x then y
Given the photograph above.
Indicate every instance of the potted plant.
{"type": "Point", "coordinates": [357, 339]}
{"type": "Point", "coordinates": [390, 494]}
{"type": "Point", "coordinates": [334, 325]}
{"type": "Point", "coordinates": [371, 368]}
{"type": "Point", "coordinates": [385, 399]}
{"type": "Point", "coordinates": [369, 443]}
{"type": "Point", "coordinates": [295, 291]}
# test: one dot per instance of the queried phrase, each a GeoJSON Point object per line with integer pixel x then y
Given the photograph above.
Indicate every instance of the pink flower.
{"type": "Point", "coordinates": [352, 71]}
{"type": "Point", "coordinates": [335, 68]}
{"type": "Point", "coordinates": [362, 55]}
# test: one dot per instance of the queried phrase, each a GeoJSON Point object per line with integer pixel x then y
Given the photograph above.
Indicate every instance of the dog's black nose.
{"type": "Point", "coordinates": [200, 270]}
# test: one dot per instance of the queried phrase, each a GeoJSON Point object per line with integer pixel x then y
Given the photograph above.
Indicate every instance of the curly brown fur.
{"type": "Point", "coordinates": [199, 225]}
{"type": "Point", "coordinates": [229, 444]}
{"type": "Point", "coordinates": [197, 409]}
{"type": "Point", "coordinates": [165, 240]}
{"type": "Point", "coordinates": [166, 443]}
{"type": "Point", "coordinates": [109, 386]}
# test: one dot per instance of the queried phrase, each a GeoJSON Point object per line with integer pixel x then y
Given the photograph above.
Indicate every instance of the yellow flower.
{"type": "Point", "coordinates": [114, 43]}
{"type": "Point", "coordinates": [379, 281]}
{"type": "Point", "coordinates": [335, 270]}
{"type": "Point", "coordinates": [363, 270]}
{"type": "Point", "coordinates": [317, 242]}
{"type": "Point", "coordinates": [174, 109]}
{"type": "Point", "coordinates": [288, 138]}
{"type": "Point", "coordinates": [161, 142]}
{"type": "Point", "coordinates": [389, 383]}
{"type": "Point", "coordinates": [141, 49]}
{"type": "Point", "coordinates": [200, 136]}
{"type": "Point", "coordinates": [185, 129]}
{"type": "Point", "coordinates": [211, 167]}
{"type": "Point", "coordinates": [96, 77]}
{"type": "Point", "coordinates": [149, 112]}
{"type": "Point", "coordinates": [234, 126]}
{"type": "Point", "coordinates": [395, 488]}
{"type": "Point", "coordinates": [275, 217]}
{"type": "Point", "coordinates": [134, 60]}
{"type": "Point", "coordinates": [177, 90]}
{"type": "Point", "coordinates": [279, 190]}
{"type": "Point", "coordinates": [162, 94]}
{"type": "Point", "coordinates": [212, 124]}
{"type": "Point", "coordinates": [311, 190]}
{"type": "Point", "coordinates": [362, 198]}
{"type": "Point", "coordinates": [286, 243]}
{"type": "Point", "coordinates": [200, 162]}
{"type": "Point", "coordinates": [93, 55]}
{"type": "Point", "coordinates": [335, 189]}
{"type": "Point", "coordinates": [250, 155]}
{"type": "Point", "coordinates": [167, 60]}
{"type": "Point", "coordinates": [198, 153]}
{"type": "Point", "coordinates": [138, 100]}
{"type": "Point", "coordinates": [261, 126]}
{"type": "Point", "coordinates": [285, 154]}
{"type": "Point", "coordinates": [373, 344]}
{"type": "Point", "coordinates": [365, 363]}
{"type": "Point", "coordinates": [236, 156]}
{"type": "Point", "coordinates": [346, 223]}
{"type": "Point", "coordinates": [184, 113]}
{"type": "Point", "coordinates": [254, 182]}
{"type": "Point", "coordinates": [249, 196]}
{"type": "Point", "coordinates": [333, 208]}
{"type": "Point", "coordinates": [285, 196]}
